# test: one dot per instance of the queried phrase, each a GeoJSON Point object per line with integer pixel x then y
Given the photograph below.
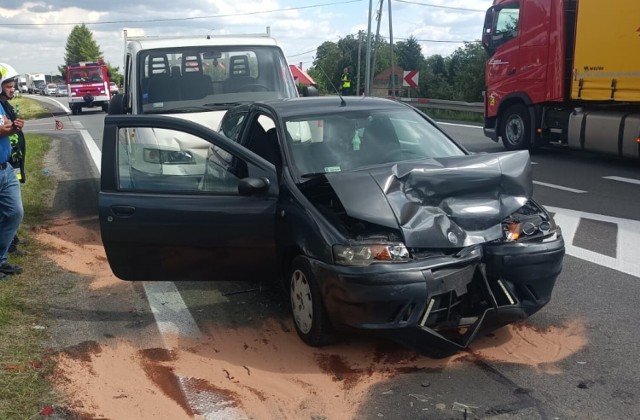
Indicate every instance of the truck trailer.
{"type": "Point", "coordinates": [564, 72]}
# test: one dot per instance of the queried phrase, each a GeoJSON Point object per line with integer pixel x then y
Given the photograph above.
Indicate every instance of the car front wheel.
{"type": "Point", "coordinates": [516, 128]}
{"type": "Point", "coordinates": [309, 316]}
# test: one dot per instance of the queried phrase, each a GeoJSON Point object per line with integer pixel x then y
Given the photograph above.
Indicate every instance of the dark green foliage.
{"type": "Point", "coordinates": [82, 47]}
{"type": "Point", "coordinates": [459, 76]}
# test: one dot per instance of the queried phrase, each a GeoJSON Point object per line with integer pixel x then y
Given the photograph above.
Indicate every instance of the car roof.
{"type": "Point", "coordinates": [293, 107]}
{"type": "Point", "coordinates": [151, 43]}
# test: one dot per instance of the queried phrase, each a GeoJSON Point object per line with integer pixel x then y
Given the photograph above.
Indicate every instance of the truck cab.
{"type": "Point", "coordinates": [197, 79]}
{"type": "Point", "coordinates": [563, 72]}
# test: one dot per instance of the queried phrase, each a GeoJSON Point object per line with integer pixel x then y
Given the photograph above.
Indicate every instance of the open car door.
{"type": "Point", "coordinates": [201, 214]}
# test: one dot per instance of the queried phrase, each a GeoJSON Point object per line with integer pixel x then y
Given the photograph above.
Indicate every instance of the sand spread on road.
{"type": "Point", "coordinates": [264, 371]}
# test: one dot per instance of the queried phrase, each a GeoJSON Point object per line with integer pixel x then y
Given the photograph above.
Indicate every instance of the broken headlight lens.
{"type": "Point", "coordinates": [529, 222]}
{"type": "Point", "coordinates": [367, 254]}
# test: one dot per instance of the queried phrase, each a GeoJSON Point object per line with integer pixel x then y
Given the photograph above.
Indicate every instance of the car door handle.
{"type": "Point", "coordinates": [123, 211]}
{"type": "Point", "coordinates": [511, 71]}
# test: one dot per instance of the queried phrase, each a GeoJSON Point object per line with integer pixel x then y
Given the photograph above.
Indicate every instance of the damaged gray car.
{"type": "Point", "coordinates": [368, 215]}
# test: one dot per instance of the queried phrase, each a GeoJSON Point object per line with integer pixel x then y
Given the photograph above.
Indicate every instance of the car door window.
{"type": "Point", "coordinates": [232, 124]}
{"type": "Point", "coordinates": [163, 160]}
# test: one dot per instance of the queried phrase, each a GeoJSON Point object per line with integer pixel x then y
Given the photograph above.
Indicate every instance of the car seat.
{"type": "Point", "coordinates": [194, 84]}
{"type": "Point", "coordinates": [239, 74]}
{"type": "Point", "coordinates": [267, 146]}
{"type": "Point", "coordinates": [379, 140]}
{"type": "Point", "coordinates": [159, 86]}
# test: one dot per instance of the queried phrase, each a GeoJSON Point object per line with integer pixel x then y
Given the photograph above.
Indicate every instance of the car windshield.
{"type": "Point", "coordinates": [353, 139]}
{"type": "Point", "coordinates": [189, 77]}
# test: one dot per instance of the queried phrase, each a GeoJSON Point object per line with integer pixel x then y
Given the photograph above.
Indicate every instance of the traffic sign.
{"type": "Point", "coordinates": [410, 78]}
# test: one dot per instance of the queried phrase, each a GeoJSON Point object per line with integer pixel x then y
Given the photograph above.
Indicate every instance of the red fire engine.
{"type": "Point", "coordinates": [88, 86]}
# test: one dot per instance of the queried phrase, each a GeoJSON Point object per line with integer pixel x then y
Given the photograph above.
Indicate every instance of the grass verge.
{"type": "Point", "coordinates": [24, 362]}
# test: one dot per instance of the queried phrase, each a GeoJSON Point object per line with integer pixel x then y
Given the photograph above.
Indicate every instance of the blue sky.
{"type": "Point", "coordinates": [33, 34]}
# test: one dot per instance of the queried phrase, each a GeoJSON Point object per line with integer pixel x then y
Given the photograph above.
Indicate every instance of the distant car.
{"type": "Point", "coordinates": [51, 89]}
{"type": "Point", "coordinates": [368, 215]}
{"type": "Point", "coordinates": [113, 88]}
{"type": "Point", "coordinates": [61, 90]}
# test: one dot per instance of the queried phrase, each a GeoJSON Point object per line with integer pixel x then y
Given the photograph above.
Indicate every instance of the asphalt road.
{"type": "Point", "coordinates": [595, 199]}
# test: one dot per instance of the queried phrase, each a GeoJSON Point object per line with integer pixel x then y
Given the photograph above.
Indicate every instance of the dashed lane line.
{"type": "Point", "coordinates": [559, 187]}
{"type": "Point", "coordinates": [623, 179]}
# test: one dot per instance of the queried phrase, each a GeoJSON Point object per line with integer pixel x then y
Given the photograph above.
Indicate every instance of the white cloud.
{"type": "Point", "coordinates": [297, 27]}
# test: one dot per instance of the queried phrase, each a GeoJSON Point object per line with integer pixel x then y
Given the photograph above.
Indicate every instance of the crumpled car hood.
{"type": "Point", "coordinates": [441, 202]}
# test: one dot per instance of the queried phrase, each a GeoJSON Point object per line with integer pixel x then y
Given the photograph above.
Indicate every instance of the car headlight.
{"type": "Point", "coordinates": [366, 254]}
{"type": "Point", "coordinates": [528, 222]}
{"type": "Point", "coordinates": [167, 157]}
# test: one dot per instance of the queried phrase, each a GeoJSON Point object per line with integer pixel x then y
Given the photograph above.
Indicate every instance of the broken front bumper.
{"type": "Point", "coordinates": [439, 305]}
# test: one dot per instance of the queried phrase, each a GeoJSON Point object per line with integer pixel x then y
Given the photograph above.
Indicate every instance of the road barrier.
{"type": "Point", "coordinates": [444, 104]}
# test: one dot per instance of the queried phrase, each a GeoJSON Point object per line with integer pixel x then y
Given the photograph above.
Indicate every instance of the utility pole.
{"type": "Point", "coordinates": [358, 71]}
{"type": "Point", "coordinates": [393, 69]}
{"type": "Point", "coordinates": [367, 71]}
{"type": "Point", "coordinates": [375, 50]}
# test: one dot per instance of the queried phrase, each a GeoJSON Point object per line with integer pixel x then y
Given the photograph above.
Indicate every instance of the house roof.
{"type": "Point", "coordinates": [301, 76]}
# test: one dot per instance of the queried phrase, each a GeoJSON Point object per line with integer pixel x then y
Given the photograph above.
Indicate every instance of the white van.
{"type": "Point", "coordinates": [198, 79]}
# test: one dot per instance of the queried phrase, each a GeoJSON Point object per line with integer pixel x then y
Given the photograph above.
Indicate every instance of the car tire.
{"type": "Point", "coordinates": [309, 315]}
{"type": "Point", "coordinates": [516, 128]}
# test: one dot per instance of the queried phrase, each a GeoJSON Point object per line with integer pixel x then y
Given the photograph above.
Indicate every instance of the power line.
{"type": "Point", "coordinates": [302, 53]}
{"type": "Point", "coordinates": [461, 9]}
{"type": "Point", "coordinates": [108, 22]}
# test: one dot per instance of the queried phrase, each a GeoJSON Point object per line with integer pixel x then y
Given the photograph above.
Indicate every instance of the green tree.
{"type": "Point", "coordinates": [434, 73]}
{"type": "Point", "coordinates": [82, 47]}
{"type": "Point", "coordinates": [326, 65]}
{"type": "Point", "coordinates": [466, 72]}
{"type": "Point", "coordinates": [409, 54]}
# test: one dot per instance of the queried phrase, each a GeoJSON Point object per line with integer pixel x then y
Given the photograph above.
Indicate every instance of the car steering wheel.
{"type": "Point", "coordinates": [254, 87]}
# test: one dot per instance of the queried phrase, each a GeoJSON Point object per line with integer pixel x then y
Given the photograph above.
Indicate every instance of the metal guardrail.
{"type": "Point", "coordinates": [444, 104]}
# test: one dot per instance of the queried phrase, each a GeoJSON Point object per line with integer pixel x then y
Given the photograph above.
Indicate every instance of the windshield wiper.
{"type": "Point", "coordinates": [217, 105]}
{"type": "Point", "coordinates": [177, 110]}
{"type": "Point", "coordinates": [312, 174]}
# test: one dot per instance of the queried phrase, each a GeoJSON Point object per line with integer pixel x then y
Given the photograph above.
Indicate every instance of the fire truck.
{"type": "Point", "coordinates": [88, 86]}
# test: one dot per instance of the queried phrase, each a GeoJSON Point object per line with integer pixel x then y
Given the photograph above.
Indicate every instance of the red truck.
{"type": "Point", "coordinates": [88, 86]}
{"type": "Point", "coordinates": [565, 72]}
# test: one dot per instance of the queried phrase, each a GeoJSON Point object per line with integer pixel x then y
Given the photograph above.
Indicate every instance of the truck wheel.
{"type": "Point", "coordinates": [516, 128]}
{"type": "Point", "coordinates": [74, 110]}
{"type": "Point", "coordinates": [105, 107]}
{"type": "Point", "coordinates": [309, 316]}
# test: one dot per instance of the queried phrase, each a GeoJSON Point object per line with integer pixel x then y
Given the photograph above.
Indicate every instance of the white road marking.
{"type": "Point", "coordinates": [460, 125]}
{"type": "Point", "coordinates": [559, 187]}
{"type": "Point", "coordinates": [626, 260]}
{"type": "Point", "coordinates": [622, 179]}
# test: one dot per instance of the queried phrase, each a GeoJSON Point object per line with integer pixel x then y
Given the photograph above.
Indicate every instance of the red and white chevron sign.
{"type": "Point", "coordinates": [410, 78]}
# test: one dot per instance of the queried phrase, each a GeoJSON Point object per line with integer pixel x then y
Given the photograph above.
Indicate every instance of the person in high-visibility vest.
{"type": "Point", "coordinates": [11, 210]}
{"type": "Point", "coordinates": [345, 82]}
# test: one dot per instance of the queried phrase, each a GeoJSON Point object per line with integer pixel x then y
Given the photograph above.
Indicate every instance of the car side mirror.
{"type": "Point", "coordinates": [309, 91]}
{"type": "Point", "coordinates": [252, 186]}
{"type": "Point", "coordinates": [117, 105]}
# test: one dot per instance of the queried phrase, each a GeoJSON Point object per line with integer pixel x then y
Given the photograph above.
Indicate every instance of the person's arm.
{"type": "Point", "coordinates": [11, 127]}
